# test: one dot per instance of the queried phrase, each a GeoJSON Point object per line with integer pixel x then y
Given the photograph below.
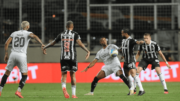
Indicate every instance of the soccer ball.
{"type": "Point", "coordinates": [113, 52]}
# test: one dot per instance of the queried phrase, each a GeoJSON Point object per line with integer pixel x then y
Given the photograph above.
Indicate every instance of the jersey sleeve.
{"type": "Point", "coordinates": [77, 36]}
{"type": "Point", "coordinates": [140, 48]}
{"type": "Point", "coordinates": [115, 47]}
{"type": "Point", "coordinates": [157, 48]}
{"type": "Point", "coordinates": [133, 42]}
{"type": "Point", "coordinates": [58, 38]}
{"type": "Point", "coordinates": [97, 55]}
{"type": "Point", "coordinates": [11, 35]}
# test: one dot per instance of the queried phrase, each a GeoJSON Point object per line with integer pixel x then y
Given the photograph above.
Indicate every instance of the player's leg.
{"type": "Point", "coordinates": [64, 68]}
{"type": "Point", "coordinates": [21, 62]}
{"type": "Point", "coordinates": [63, 83]}
{"type": "Point", "coordinates": [119, 73]}
{"type": "Point", "coordinates": [73, 83]}
{"type": "Point", "coordinates": [9, 68]}
{"type": "Point", "coordinates": [136, 78]}
{"type": "Point", "coordinates": [100, 75]}
{"type": "Point", "coordinates": [129, 77]}
{"type": "Point", "coordinates": [161, 77]}
{"type": "Point", "coordinates": [4, 79]}
{"type": "Point", "coordinates": [73, 70]}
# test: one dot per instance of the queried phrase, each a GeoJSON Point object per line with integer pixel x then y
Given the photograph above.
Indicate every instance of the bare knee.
{"type": "Point", "coordinates": [63, 76]}
{"type": "Point", "coordinates": [118, 73]}
{"type": "Point", "coordinates": [7, 72]}
{"type": "Point", "coordinates": [158, 70]}
{"type": "Point", "coordinates": [139, 69]}
{"type": "Point", "coordinates": [101, 75]}
{"type": "Point", "coordinates": [133, 72]}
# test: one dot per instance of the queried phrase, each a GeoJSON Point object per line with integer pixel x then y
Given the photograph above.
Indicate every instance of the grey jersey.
{"type": "Point", "coordinates": [105, 56]}
{"type": "Point", "coordinates": [20, 41]}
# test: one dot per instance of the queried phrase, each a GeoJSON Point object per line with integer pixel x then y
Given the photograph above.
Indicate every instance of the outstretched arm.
{"type": "Point", "coordinates": [162, 56]}
{"type": "Point", "coordinates": [90, 65]}
{"type": "Point", "coordinates": [6, 48]}
{"type": "Point", "coordinates": [83, 47]}
{"type": "Point", "coordinates": [139, 42]}
{"type": "Point", "coordinates": [36, 37]}
{"type": "Point", "coordinates": [137, 55]}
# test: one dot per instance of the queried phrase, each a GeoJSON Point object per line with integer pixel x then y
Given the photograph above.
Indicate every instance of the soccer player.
{"type": "Point", "coordinates": [150, 56]}
{"type": "Point", "coordinates": [68, 61]}
{"type": "Point", "coordinates": [112, 65]}
{"type": "Point", "coordinates": [20, 40]}
{"type": "Point", "coordinates": [129, 64]}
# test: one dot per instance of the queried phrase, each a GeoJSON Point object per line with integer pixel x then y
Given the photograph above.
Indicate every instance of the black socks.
{"type": "Point", "coordinates": [3, 80]}
{"type": "Point", "coordinates": [22, 82]}
{"type": "Point", "coordinates": [125, 80]}
{"type": "Point", "coordinates": [94, 83]}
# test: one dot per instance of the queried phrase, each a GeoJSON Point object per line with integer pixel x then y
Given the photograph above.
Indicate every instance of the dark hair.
{"type": "Point", "coordinates": [68, 24]}
{"type": "Point", "coordinates": [126, 30]}
{"type": "Point", "coordinates": [147, 34]}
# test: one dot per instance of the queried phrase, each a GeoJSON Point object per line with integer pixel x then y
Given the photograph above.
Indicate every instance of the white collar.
{"type": "Point", "coordinates": [149, 44]}
{"type": "Point", "coordinates": [129, 37]}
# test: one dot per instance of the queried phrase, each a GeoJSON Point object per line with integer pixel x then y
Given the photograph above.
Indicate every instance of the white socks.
{"type": "Point", "coordinates": [63, 85]}
{"type": "Point", "coordinates": [19, 89]}
{"type": "Point", "coordinates": [1, 88]}
{"type": "Point", "coordinates": [131, 82]}
{"type": "Point", "coordinates": [73, 89]}
{"type": "Point", "coordinates": [137, 80]}
{"type": "Point", "coordinates": [161, 77]}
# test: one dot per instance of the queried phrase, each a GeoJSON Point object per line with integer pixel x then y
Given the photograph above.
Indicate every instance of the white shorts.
{"type": "Point", "coordinates": [19, 60]}
{"type": "Point", "coordinates": [109, 69]}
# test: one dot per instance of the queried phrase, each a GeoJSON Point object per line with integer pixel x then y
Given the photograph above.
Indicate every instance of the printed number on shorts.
{"type": "Point", "coordinates": [19, 41]}
{"type": "Point", "coordinates": [66, 46]}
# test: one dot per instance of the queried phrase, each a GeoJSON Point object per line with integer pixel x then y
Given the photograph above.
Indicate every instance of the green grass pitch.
{"type": "Point", "coordinates": [103, 92]}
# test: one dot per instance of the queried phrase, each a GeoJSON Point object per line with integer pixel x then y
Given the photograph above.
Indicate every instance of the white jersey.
{"type": "Point", "coordinates": [105, 56]}
{"type": "Point", "coordinates": [20, 41]}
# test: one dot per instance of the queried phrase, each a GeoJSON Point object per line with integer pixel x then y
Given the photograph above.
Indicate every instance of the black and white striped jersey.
{"type": "Point", "coordinates": [127, 49]}
{"type": "Point", "coordinates": [68, 40]}
{"type": "Point", "coordinates": [149, 51]}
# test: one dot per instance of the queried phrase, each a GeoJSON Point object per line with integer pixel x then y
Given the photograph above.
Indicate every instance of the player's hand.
{"type": "Point", "coordinates": [87, 56]}
{"type": "Point", "coordinates": [168, 66]}
{"type": "Point", "coordinates": [85, 69]}
{"type": "Point", "coordinates": [42, 46]}
{"type": "Point", "coordinates": [44, 51]}
{"type": "Point", "coordinates": [141, 42]}
{"type": "Point", "coordinates": [6, 58]}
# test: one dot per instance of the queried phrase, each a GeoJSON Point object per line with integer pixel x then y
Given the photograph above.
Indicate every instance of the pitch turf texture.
{"type": "Point", "coordinates": [103, 92]}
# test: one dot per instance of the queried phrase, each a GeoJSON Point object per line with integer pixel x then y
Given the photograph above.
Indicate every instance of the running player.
{"type": "Point", "coordinates": [20, 40]}
{"type": "Point", "coordinates": [68, 61]}
{"type": "Point", "coordinates": [129, 64]}
{"type": "Point", "coordinates": [150, 56]}
{"type": "Point", "coordinates": [112, 65]}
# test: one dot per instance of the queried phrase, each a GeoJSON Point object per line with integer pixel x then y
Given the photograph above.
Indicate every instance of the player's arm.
{"type": "Point", "coordinates": [83, 47]}
{"type": "Point", "coordinates": [6, 48]}
{"type": "Point", "coordinates": [90, 65]}
{"type": "Point", "coordinates": [52, 43]}
{"type": "Point", "coordinates": [37, 38]}
{"type": "Point", "coordinates": [139, 52]}
{"type": "Point", "coordinates": [137, 55]}
{"type": "Point", "coordinates": [139, 42]}
{"type": "Point", "coordinates": [163, 57]}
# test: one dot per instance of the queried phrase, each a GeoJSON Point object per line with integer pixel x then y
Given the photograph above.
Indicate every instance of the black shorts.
{"type": "Point", "coordinates": [68, 65]}
{"type": "Point", "coordinates": [145, 62]}
{"type": "Point", "coordinates": [129, 66]}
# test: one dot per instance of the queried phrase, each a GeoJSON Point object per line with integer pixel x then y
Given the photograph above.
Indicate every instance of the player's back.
{"type": "Point", "coordinates": [20, 41]}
